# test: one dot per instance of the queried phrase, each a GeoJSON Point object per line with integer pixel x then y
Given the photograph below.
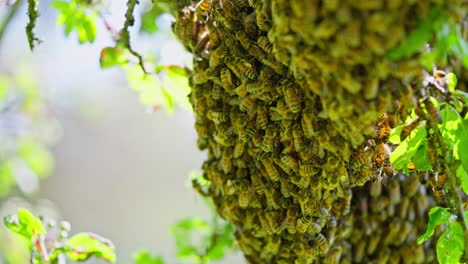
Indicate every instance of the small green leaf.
{"type": "Point", "coordinates": [112, 56]}
{"type": "Point", "coordinates": [450, 245]}
{"type": "Point", "coordinates": [85, 245]}
{"type": "Point", "coordinates": [463, 176]}
{"type": "Point", "coordinates": [421, 158]}
{"type": "Point", "coordinates": [451, 81]}
{"type": "Point", "coordinates": [403, 154]}
{"type": "Point", "coordinates": [24, 223]}
{"type": "Point", "coordinates": [437, 216]}
{"type": "Point", "coordinates": [148, 19]}
{"type": "Point", "coordinates": [144, 257]}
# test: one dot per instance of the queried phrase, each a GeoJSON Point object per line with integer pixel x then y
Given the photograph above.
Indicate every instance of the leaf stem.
{"type": "Point", "coordinates": [6, 22]}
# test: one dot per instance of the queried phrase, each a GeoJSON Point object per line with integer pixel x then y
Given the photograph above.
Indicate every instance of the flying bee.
{"type": "Point", "coordinates": [265, 44]}
{"type": "Point", "coordinates": [226, 79]}
{"type": "Point", "coordinates": [292, 97]}
{"type": "Point", "coordinates": [271, 170]}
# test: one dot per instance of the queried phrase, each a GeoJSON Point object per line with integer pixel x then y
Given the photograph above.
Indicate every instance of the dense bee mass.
{"type": "Point", "coordinates": [294, 101]}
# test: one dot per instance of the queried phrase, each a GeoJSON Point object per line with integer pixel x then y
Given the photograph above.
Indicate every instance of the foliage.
{"type": "Point", "coordinates": [439, 28]}
{"type": "Point", "coordinates": [49, 245]}
{"type": "Point", "coordinates": [77, 16]}
{"type": "Point", "coordinates": [442, 137]}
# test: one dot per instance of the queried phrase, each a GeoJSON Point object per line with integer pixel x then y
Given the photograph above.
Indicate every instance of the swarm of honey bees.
{"type": "Point", "coordinates": [294, 101]}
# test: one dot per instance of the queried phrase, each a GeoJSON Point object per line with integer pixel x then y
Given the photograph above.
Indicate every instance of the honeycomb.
{"type": "Point", "coordinates": [294, 101]}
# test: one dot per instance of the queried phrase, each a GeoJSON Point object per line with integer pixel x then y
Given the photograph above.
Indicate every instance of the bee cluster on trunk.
{"type": "Point", "coordinates": [294, 101]}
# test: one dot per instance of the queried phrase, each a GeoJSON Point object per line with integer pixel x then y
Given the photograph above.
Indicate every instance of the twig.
{"type": "Point", "coordinates": [13, 11]}
{"type": "Point", "coordinates": [33, 14]}
{"type": "Point", "coordinates": [125, 34]}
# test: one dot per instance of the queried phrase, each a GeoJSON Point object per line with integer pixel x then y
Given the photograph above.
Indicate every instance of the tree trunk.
{"type": "Point", "coordinates": [294, 101]}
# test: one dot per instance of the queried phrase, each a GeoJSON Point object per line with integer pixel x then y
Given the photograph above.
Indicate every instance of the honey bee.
{"type": "Point", "coordinates": [307, 170]}
{"type": "Point", "coordinates": [262, 117]}
{"type": "Point", "coordinates": [322, 242]}
{"type": "Point", "coordinates": [286, 187]}
{"type": "Point", "coordinates": [271, 248]}
{"type": "Point", "coordinates": [241, 90]}
{"type": "Point", "coordinates": [270, 134]}
{"type": "Point", "coordinates": [271, 170]}
{"type": "Point", "coordinates": [292, 97]}
{"type": "Point", "coordinates": [202, 77]}
{"type": "Point", "coordinates": [394, 192]}
{"type": "Point", "coordinates": [226, 79]}
{"type": "Point", "coordinates": [245, 193]}
{"type": "Point", "coordinates": [440, 196]}
{"type": "Point", "coordinates": [271, 197]}
{"type": "Point", "coordinates": [257, 139]}
{"type": "Point", "coordinates": [307, 125]}
{"type": "Point", "coordinates": [328, 198]}
{"type": "Point", "coordinates": [263, 21]}
{"type": "Point", "coordinates": [290, 162]}
{"type": "Point", "coordinates": [408, 128]}
{"type": "Point", "coordinates": [244, 40]}
{"type": "Point", "coordinates": [375, 189]}
{"type": "Point", "coordinates": [203, 7]}
{"type": "Point", "coordinates": [411, 167]}
{"type": "Point", "coordinates": [303, 223]}
{"type": "Point", "coordinates": [298, 139]}
{"type": "Point", "coordinates": [224, 136]}
{"type": "Point", "coordinates": [226, 163]}
{"type": "Point", "coordinates": [250, 24]}
{"type": "Point", "coordinates": [247, 104]}
{"type": "Point", "coordinates": [239, 149]}
{"type": "Point", "coordinates": [217, 117]}
{"type": "Point", "coordinates": [265, 44]}
{"type": "Point", "coordinates": [245, 68]}
{"type": "Point", "coordinates": [382, 153]}
{"type": "Point", "coordinates": [373, 243]}
{"type": "Point", "coordinates": [257, 183]}
{"type": "Point", "coordinates": [302, 182]}
{"type": "Point", "coordinates": [273, 220]}
{"type": "Point", "coordinates": [256, 88]}
{"type": "Point", "coordinates": [217, 56]}
{"type": "Point", "coordinates": [333, 256]}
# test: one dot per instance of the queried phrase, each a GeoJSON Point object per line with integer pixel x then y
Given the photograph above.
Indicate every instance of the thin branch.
{"type": "Point", "coordinates": [13, 11]}
{"type": "Point", "coordinates": [451, 178]}
{"type": "Point", "coordinates": [33, 14]}
{"type": "Point", "coordinates": [125, 34]}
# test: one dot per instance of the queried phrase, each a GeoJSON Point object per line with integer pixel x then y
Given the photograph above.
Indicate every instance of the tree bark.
{"type": "Point", "coordinates": [294, 101]}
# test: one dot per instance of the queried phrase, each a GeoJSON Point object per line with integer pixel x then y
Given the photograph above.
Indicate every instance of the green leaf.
{"type": "Point", "coordinates": [437, 216]}
{"type": "Point", "coordinates": [462, 146]}
{"type": "Point", "coordinates": [60, 5]}
{"type": "Point", "coordinates": [112, 56]}
{"type": "Point", "coordinates": [24, 223]}
{"type": "Point", "coordinates": [451, 81]}
{"type": "Point", "coordinates": [144, 257]}
{"type": "Point", "coordinates": [450, 245]}
{"type": "Point", "coordinates": [403, 154]}
{"type": "Point", "coordinates": [148, 19]}
{"type": "Point", "coordinates": [85, 245]}
{"type": "Point", "coordinates": [462, 174]}
{"type": "Point", "coordinates": [421, 158]}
